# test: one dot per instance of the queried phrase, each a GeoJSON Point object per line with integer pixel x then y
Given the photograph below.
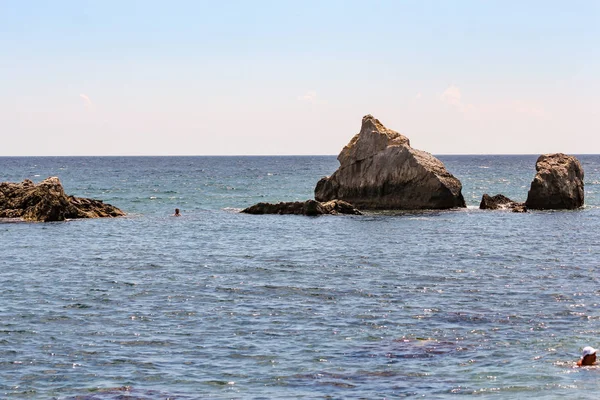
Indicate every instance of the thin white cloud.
{"type": "Point", "coordinates": [453, 96]}
{"type": "Point", "coordinates": [86, 101]}
{"type": "Point", "coordinates": [419, 96]}
{"type": "Point", "coordinates": [310, 96]}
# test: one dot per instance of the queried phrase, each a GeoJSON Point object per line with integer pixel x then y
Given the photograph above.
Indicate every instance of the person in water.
{"type": "Point", "coordinates": [177, 213]}
{"type": "Point", "coordinates": [588, 357]}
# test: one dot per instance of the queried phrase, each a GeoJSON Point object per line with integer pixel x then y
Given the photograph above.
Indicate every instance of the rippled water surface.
{"type": "Point", "coordinates": [217, 304]}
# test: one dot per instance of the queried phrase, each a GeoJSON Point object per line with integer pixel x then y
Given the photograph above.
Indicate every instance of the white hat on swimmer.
{"type": "Point", "coordinates": [588, 351]}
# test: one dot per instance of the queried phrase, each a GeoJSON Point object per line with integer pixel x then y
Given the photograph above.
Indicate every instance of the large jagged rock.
{"type": "Point", "coordinates": [558, 183]}
{"type": "Point", "coordinates": [379, 170]}
{"type": "Point", "coordinates": [500, 202]}
{"type": "Point", "coordinates": [47, 201]}
{"type": "Point", "coordinates": [308, 207]}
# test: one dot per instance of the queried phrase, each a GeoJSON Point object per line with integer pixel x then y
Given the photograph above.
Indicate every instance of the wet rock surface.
{"type": "Point", "coordinates": [47, 201]}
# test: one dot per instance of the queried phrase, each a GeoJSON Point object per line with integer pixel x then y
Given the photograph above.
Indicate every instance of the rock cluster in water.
{"type": "Point", "coordinates": [558, 185]}
{"type": "Point", "coordinates": [380, 170]}
{"type": "Point", "coordinates": [309, 207]}
{"type": "Point", "coordinates": [47, 202]}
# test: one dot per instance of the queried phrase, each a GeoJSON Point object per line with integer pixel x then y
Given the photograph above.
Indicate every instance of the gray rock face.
{"type": "Point", "coordinates": [379, 170]}
{"type": "Point", "coordinates": [309, 207]}
{"type": "Point", "coordinates": [558, 183]}
{"type": "Point", "coordinates": [47, 201]}
{"type": "Point", "coordinates": [500, 202]}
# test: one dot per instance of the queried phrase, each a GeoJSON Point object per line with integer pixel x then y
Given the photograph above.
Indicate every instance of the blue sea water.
{"type": "Point", "coordinates": [218, 304]}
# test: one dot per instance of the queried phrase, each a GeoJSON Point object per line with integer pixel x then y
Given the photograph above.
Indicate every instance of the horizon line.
{"type": "Point", "coordinates": [277, 155]}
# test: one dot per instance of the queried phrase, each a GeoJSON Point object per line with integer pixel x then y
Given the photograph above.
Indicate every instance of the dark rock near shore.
{"type": "Point", "coordinates": [308, 207]}
{"type": "Point", "coordinates": [379, 170]}
{"type": "Point", "coordinates": [558, 183]}
{"type": "Point", "coordinates": [501, 202]}
{"type": "Point", "coordinates": [47, 202]}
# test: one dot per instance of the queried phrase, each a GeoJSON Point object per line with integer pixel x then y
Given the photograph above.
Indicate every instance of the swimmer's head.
{"type": "Point", "coordinates": [588, 357]}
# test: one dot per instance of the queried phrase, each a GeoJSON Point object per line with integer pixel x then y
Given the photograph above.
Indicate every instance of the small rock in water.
{"type": "Point", "coordinates": [500, 202]}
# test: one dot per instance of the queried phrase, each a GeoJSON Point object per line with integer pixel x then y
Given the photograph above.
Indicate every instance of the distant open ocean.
{"type": "Point", "coordinates": [218, 304]}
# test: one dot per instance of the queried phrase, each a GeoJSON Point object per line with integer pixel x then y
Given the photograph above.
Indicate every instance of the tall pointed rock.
{"type": "Point", "coordinates": [379, 170]}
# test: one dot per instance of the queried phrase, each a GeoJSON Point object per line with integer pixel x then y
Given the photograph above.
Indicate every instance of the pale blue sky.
{"type": "Point", "coordinates": [283, 77]}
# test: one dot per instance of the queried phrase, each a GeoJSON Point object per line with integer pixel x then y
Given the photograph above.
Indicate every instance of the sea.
{"type": "Point", "coordinates": [220, 304]}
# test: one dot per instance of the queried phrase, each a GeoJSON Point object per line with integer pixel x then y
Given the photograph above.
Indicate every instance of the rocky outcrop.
{"type": "Point", "coordinates": [379, 170]}
{"type": "Point", "coordinates": [47, 201]}
{"type": "Point", "coordinates": [309, 207]}
{"type": "Point", "coordinates": [558, 183]}
{"type": "Point", "coordinates": [501, 202]}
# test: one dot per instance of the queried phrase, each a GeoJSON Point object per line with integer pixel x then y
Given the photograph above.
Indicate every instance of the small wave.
{"type": "Point", "coordinates": [124, 283]}
{"type": "Point", "coordinates": [11, 220]}
{"type": "Point", "coordinates": [77, 305]}
{"type": "Point", "coordinates": [16, 331]}
{"type": "Point", "coordinates": [232, 209]}
{"type": "Point", "coordinates": [132, 215]}
{"type": "Point", "coordinates": [135, 343]}
{"type": "Point", "coordinates": [219, 383]}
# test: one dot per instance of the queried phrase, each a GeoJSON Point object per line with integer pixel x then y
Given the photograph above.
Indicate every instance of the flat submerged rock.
{"type": "Point", "coordinates": [308, 207]}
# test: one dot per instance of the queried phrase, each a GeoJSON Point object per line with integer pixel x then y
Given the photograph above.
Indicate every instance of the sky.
{"type": "Point", "coordinates": [295, 78]}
